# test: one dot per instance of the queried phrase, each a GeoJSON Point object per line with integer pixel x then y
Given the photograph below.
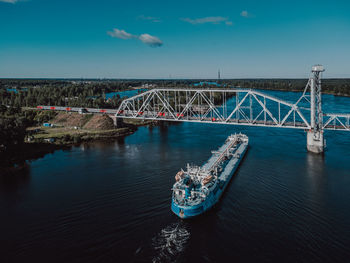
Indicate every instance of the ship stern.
{"type": "Point", "coordinates": [184, 211]}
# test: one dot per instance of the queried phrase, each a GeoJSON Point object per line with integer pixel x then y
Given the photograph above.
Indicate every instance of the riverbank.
{"type": "Point", "coordinates": [139, 122]}
{"type": "Point", "coordinates": [69, 136]}
{"type": "Point", "coordinates": [16, 160]}
{"type": "Point", "coordinates": [48, 141]}
{"type": "Point", "coordinates": [63, 132]}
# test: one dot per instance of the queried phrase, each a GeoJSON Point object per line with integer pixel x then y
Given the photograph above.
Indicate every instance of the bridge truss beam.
{"type": "Point", "coordinates": [222, 106]}
{"type": "Point", "coordinates": [336, 121]}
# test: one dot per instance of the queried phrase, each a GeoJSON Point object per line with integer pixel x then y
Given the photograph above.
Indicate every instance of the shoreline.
{"type": "Point", "coordinates": [295, 90]}
{"type": "Point", "coordinates": [31, 151]}
{"type": "Point", "coordinates": [26, 153]}
{"type": "Point", "coordinates": [19, 159]}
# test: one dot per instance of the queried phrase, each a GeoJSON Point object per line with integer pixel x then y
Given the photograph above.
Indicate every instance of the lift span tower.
{"type": "Point", "coordinates": [315, 140]}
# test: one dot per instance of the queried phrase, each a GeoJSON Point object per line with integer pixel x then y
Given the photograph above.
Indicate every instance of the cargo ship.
{"type": "Point", "coordinates": [198, 188]}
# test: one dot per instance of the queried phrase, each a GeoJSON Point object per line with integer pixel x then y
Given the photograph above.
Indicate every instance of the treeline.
{"type": "Point", "coordinates": [90, 93]}
{"type": "Point", "coordinates": [332, 86]}
{"type": "Point", "coordinates": [13, 124]}
{"type": "Point", "coordinates": [12, 130]}
{"type": "Point", "coordinates": [30, 93]}
{"type": "Point", "coordinates": [59, 96]}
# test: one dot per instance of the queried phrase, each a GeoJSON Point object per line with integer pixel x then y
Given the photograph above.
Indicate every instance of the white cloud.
{"type": "Point", "coordinates": [208, 19]}
{"type": "Point", "coordinates": [147, 39]}
{"type": "Point", "coordinates": [9, 1]}
{"type": "Point", "coordinates": [244, 13]}
{"type": "Point", "coordinates": [150, 18]}
{"type": "Point", "coordinates": [120, 34]}
{"type": "Point", "coordinates": [151, 40]}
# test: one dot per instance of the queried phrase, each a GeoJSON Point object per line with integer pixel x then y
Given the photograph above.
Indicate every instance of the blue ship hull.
{"type": "Point", "coordinates": [185, 211]}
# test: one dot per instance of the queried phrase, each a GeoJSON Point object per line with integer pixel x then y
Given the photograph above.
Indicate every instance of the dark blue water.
{"type": "Point", "coordinates": [110, 201]}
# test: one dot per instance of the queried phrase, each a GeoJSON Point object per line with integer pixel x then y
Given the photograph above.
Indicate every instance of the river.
{"type": "Point", "coordinates": [110, 201]}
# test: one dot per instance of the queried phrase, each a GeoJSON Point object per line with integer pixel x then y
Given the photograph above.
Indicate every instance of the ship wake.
{"type": "Point", "coordinates": [170, 242]}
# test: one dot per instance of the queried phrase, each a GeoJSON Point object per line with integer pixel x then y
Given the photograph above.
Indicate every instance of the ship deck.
{"type": "Point", "coordinates": [218, 155]}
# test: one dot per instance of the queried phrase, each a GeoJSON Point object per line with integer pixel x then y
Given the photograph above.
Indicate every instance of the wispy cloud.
{"type": "Point", "coordinates": [9, 1]}
{"type": "Point", "coordinates": [120, 34]}
{"type": "Point", "coordinates": [245, 13]}
{"type": "Point", "coordinates": [150, 18]}
{"type": "Point", "coordinates": [147, 39]}
{"type": "Point", "coordinates": [208, 19]}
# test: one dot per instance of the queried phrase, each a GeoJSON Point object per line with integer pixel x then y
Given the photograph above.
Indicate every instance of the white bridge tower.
{"type": "Point", "coordinates": [315, 140]}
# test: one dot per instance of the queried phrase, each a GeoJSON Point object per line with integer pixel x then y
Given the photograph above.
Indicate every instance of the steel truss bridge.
{"type": "Point", "coordinates": [241, 115]}
{"type": "Point", "coordinates": [227, 106]}
{"type": "Point", "coordinates": [240, 107]}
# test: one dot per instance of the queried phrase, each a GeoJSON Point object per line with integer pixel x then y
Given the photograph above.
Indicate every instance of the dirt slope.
{"type": "Point", "coordinates": [99, 122]}
{"type": "Point", "coordinates": [86, 121]}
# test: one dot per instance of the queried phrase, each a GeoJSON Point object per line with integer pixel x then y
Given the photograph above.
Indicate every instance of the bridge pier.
{"type": "Point", "coordinates": [315, 141]}
{"type": "Point", "coordinates": [118, 122]}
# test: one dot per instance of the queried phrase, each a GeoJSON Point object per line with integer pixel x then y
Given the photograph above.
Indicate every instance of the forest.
{"type": "Point", "coordinates": [90, 93]}
{"type": "Point", "coordinates": [30, 93]}
{"type": "Point", "coordinates": [13, 124]}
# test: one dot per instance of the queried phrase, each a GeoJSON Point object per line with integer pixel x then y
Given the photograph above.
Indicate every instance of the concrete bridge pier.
{"type": "Point", "coordinates": [315, 141]}
{"type": "Point", "coordinates": [118, 122]}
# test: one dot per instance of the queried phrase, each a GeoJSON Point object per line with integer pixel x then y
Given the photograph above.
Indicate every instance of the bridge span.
{"type": "Point", "coordinates": [233, 106]}
{"type": "Point", "coordinates": [240, 107]}
{"type": "Point", "coordinates": [159, 104]}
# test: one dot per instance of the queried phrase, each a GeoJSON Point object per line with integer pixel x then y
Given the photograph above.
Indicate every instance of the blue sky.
{"type": "Point", "coordinates": [177, 39]}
